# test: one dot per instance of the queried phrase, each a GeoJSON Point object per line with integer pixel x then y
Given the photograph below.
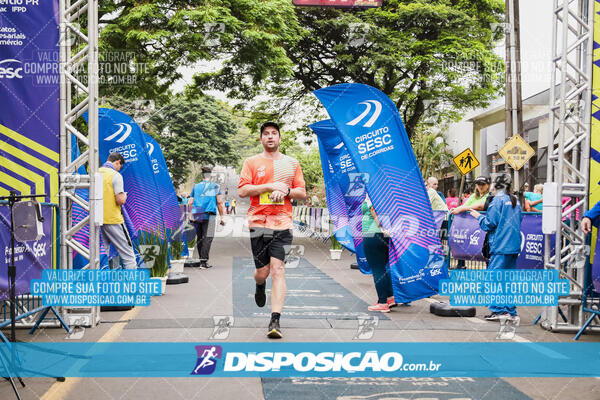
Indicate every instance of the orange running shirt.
{"type": "Point", "coordinates": [258, 170]}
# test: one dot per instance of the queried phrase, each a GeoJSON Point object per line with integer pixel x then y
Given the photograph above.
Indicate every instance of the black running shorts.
{"type": "Point", "coordinates": [267, 243]}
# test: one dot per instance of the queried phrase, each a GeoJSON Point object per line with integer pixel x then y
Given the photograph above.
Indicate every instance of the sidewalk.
{"type": "Point", "coordinates": [325, 300]}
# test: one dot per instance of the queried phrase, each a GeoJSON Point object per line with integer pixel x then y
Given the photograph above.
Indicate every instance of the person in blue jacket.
{"type": "Point", "coordinates": [503, 222]}
{"type": "Point", "coordinates": [591, 218]}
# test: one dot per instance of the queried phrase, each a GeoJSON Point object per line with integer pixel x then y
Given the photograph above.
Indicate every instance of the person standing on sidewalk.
{"type": "Point", "coordinates": [113, 225]}
{"type": "Point", "coordinates": [376, 244]}
{"type": "Point", "coordinates": [503, 222]}
{"type": "Point", "coordinates": [205, 200]}
{"type": "Point", "coordinates": [271, 180]}
{"type": "Point", "coordinates": [233, 205]}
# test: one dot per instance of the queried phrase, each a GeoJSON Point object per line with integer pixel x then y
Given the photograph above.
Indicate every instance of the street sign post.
{"type": "Point", "coordinates": [516, 152]}
{"type": "Point", "coordinates": [466, 161]}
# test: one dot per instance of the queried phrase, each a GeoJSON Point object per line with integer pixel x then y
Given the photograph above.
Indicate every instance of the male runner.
{"type": "Point", "coordinates": [271, 180]}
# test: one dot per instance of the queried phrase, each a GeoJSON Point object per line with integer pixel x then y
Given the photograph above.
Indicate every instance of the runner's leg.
{"type": "Point", "coordinates": [278, 286]}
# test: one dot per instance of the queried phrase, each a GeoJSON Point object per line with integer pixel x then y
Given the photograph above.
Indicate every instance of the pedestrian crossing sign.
{"type": "Point", "coordinates": [466, 161]}
{"type": "Point", "coordinates": [516, 152]}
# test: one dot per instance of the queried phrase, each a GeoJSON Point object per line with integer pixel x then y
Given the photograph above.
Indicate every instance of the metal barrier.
{"type": "Point", "coordinates": [315, 222]}
{"type": "Point", "coordinates": [312, 221]}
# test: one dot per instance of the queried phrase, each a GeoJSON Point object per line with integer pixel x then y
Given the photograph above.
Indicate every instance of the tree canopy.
{"type": "Point", "coordinates": [429, 57]}
{"type": "Point", "coordinates": [165, 35]}
{"type": "Point", "coordinates": [196, 130]}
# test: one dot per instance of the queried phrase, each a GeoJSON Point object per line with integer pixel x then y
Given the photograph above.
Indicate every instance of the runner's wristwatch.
{"type": "Point", "coordinates": [289, 191]}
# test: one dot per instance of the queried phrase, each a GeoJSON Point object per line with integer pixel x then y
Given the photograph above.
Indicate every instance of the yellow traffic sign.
{"type": "Point", "coordinates": [466, 161]}
{"type": "Point", "coordinates": [516, 152]}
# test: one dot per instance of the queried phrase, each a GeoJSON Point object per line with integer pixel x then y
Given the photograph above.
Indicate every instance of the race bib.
{"type": "Point", "coordinates": [265, 200]}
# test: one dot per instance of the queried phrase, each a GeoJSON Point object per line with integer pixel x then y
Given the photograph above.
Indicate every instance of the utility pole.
{"type": "Point", "coordinates": [513, 98]}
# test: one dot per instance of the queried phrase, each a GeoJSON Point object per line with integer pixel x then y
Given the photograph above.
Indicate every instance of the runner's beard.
{"type": "Point", "coordinates": [271, 149]}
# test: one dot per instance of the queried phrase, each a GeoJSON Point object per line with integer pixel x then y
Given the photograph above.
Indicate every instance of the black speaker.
{"type": "Point", "coordinates": [28, 221]}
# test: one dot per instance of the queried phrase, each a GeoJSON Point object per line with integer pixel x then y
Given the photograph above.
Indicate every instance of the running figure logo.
{"type": "Point", "coordinates": [207, 359]}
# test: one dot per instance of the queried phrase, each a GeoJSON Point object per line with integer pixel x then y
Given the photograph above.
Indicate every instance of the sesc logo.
{"type": "Point", "coordinates": [39, 249]}
{"type": "Point", "coordinates": [371, 121]}
{"type": "Point", "coordinates": [125, 135]}
{"type": "Point", "coordinates": [150, 148]}
{"type": "Point", "coordinates": [9, 69]}
{"type": "Point", "coordinates": [207, 359]}
{"type": "Point", "coordinates": [474, 238]}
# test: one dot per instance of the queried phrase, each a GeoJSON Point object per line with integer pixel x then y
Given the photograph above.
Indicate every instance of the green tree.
{"type": "Point", "coordinates": [431, 151]}
{"type": "Point", "coordinates": [429, 56]}
{"type": "Point", "coordinates": [198, 130]}
{"type": "Point", "coordinates": [164, 35]}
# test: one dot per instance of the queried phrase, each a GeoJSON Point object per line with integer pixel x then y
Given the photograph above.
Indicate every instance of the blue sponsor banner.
{"type": "Point", "coordinates": [346, 190]}
{"type": "Point", "coordinates": [29, 89]}
{"type": "Point", "coordinates": [118, 132]}
{"type": "Point", "coordinates": [466, 240]}
{"type": "Point", "coordinates": [302, 359]}
{"type": "Point", "coordinates": [372, 131]}
{"type": "Point", "coordinates": [168, 198]}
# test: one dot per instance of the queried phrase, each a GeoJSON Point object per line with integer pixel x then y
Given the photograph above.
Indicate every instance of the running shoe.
{"type": "Point", "coordinates": [391, 302]}
{"type": "Point", "coordinates": [260, 296]}
{"type": "Point", "coordinates": [205, 265]}
{"type": "Point", "coordinates": [496, 316]}
{"type": "Point", "coordinates": [274, 330]}
{"type": "Point", "coordinates": [379, 307]}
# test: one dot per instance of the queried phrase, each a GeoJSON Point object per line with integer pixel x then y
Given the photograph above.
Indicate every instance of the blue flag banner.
{"type": "Point", "coordinates": [118, 132]}
{"type": "Point", "coordinates": [30, 90]}
{"type": "Point", "coordinates": [372, 130]}
{"type": "Point", "coordinates": [168, 198]}
{"type": "Point", "coordinates": [344, 197]}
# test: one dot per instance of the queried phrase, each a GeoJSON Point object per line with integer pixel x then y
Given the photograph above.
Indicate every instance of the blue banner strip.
{"type": "Point", "coordinates": [301, 359]}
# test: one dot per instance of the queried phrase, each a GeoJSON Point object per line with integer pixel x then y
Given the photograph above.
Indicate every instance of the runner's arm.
{"type": "Point", "coordinates": [118, 188]}
{"type": "Point", "coordinates": [298, 189]}
{"type": "Point", "coordinates": [255, 190]}
{"type": "Point", "coordinates": [298, 193]}
{"type": "Point", "coordinates": [220, 205]}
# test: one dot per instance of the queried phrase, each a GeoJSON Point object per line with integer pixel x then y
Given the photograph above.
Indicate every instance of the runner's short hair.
{"type": "Point", "coordinates": [116, 157]}
{"type": "Point", "coordinates": [271, 124]}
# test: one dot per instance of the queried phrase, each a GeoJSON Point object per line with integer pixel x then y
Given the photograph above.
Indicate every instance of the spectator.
{"type": "Point", "coordinates": [534, 200]}
{"type": "Point", "coordinates": [233, 205]}
{"type": "Point", "coordinates": [477, 200]}
{"type": "Point", "coordinates": [376, 247]}
{"type": "Point", "coordinates": [465, 196]}
{"type": "Point", "coordinates": [591, 218]}
{"type": "Point", "coordinates": [437, 204]}
{"type": "Point", "coordinates": [503, 222]}
{"type": "Point", "coordinates": [114, 197]}
{"type": "Point", "coordinates": [452, 200]}
{"type": "Point", "coordinates": [432, 182]}
{"type": "Point", "coordinates": [206, 200]}
{"type": "Point", "coordinates": [227, 205]}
